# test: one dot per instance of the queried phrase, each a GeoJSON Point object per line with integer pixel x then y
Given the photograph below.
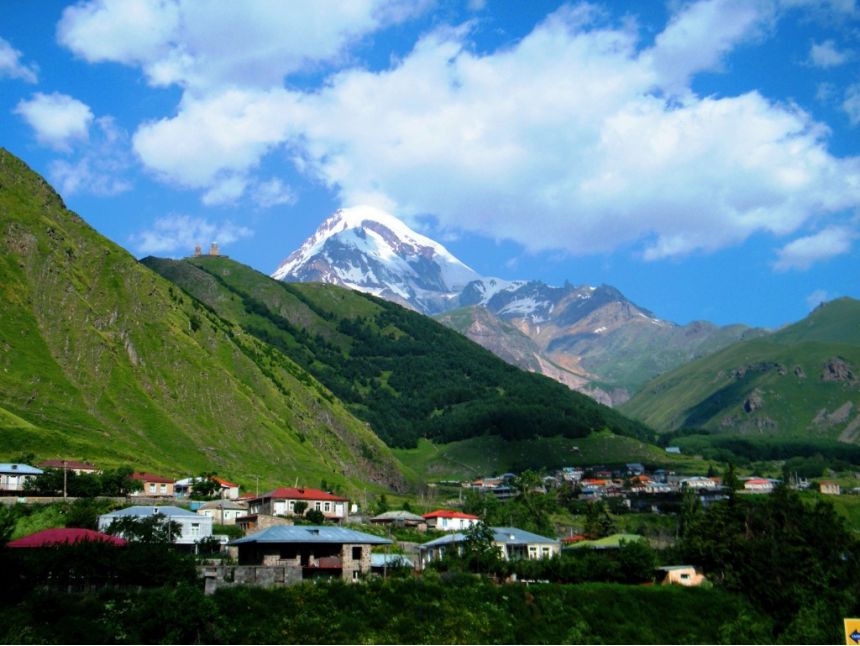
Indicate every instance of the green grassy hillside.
{"type": "Point", "coordinates": [631, 355]}
{"type": "Point", "coordinates": [803, 380]}
{"type": "Point", "coordinates": [489, 455]}
{"type": "Point", "coordinates": [405, 374]}
{"type": "Point", "coordinates": [103, 359]}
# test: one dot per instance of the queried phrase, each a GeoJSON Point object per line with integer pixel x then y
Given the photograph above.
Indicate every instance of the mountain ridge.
{"type": "Point", "coordinates": [800, 380]}
{"type": "Point", "coordinates": [582, 334]}
{"type": "Point", "coordinates": [408, 376]}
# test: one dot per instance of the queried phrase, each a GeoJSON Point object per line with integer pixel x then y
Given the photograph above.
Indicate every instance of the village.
{"type": "Point", "coordinates": [291, 534]}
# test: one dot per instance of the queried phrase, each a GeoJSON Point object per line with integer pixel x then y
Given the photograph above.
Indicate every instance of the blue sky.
{"type": "Point", "coordinates": [702, 157]}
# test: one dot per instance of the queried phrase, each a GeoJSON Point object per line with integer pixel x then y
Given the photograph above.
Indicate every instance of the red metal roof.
{"type": "Point", "coordinates": [597, 482]}
{"type": "Point", "coordinates": [573, 539]}
{"type": "Point", "coordinates": [150, 477]}
{"type": "Point", "coordinates": [449, 513]}
{"type": "Point", "coordinates": [69, 464]}
{"type": "Point", "coordinates": [65, 536]}
{"type": "Point", "coordinates": [298, 493]}
{"type": "Point", "coordinates": [223, 482]}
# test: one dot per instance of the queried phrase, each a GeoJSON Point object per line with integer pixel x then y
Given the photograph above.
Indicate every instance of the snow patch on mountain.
{"type": "Point", "coordinates": [367, 249]}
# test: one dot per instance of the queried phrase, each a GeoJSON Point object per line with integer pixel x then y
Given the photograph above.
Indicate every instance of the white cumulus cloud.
{"type": "Point", "coordinates": [205, 44]}
{"type": "Point", "coordinates": [805, 252]}
{"type": "Point", "coordinates": [180, 233]}
{"type": "Point", "coordinates": [57, 119]}
{"type": "Point", "coordinates": [567, 141]}
{"type": "Point", "coordinates": [576, 138]}
{"type": "Point", "coordinates": [222, 133]}
{"type": "Point", "coordinates": [101, 167]}
{"type": "Point", "coordinates": [11, 65]}
{"type": "Point", "coordinates": [273, 192]}
{"type": "Point", "coordinates": [826, 54]}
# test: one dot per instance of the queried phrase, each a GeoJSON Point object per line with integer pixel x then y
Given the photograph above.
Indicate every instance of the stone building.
{"type": "Point", "coordinates": [316, 550]}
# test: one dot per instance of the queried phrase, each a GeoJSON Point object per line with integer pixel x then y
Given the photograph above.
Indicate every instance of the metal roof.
{"type": "Point", "coordinates": [149, 510]}
{"type": "Point", "coordinates": [503, 535]}
{"type": "Point", "coordinates": [311, 534]}
{"type": "Point", "coordinates": [19, 469]}
{"type": "Point", "coordinates": [399, 515]}
{"type": "Point", "coordinates": [223, 504]}
{"type": "Point", "coordinates": [300, 493]}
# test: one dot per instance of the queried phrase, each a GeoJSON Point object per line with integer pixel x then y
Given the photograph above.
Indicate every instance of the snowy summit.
{"type": "Point", "coordinates": [367, 249]}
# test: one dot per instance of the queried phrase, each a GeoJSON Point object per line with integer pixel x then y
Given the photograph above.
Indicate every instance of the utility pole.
{"type": "Point", "coordinates": [258, 486]}
{"type": "Point", "coordinates": [65, 478]}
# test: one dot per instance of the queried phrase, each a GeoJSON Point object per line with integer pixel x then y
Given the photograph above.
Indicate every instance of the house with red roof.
{"type": "Point", "coordinates": [229, 490]}
{"type": "Point", "coordinates": [758, 485]}
{"type": "Point", "coordinates": [448, 520]}
{"type": "Point", "coordinates": [65, 536]}
{"type": "Point", "coordinates": [283, 500]}
{"type": "Point", "coordinates": [153, 486]}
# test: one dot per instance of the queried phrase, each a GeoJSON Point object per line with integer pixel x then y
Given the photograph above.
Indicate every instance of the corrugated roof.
{"type": "Point", "coordinates": [149, 510]}
{"type": "Point", "coordinates": [398, 515]}
{"type": "Point", "coordinates": [503, 535]}
{"type": "Point", "coordinates": [19, 469]}
{"type": "Point", "coordinates": [222, 504]}
{"type": "Point", "coordinates": [311, 534]}
{"type": "Point", "coordinates": [450, 513]}
{"type": "Point", "coordinates": [300, 493]}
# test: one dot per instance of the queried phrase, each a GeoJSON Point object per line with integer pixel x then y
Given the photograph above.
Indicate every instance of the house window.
{"type": "Point", "coordinates": [292, 505]}
{"type": "Point", "coordinates": [195, 530]}
{"type": "Point", "coordinates": [685, 576]}
{"type": "Point", "coordinates": [328, 506]}
{"type": "Point", "coordinates": [544, 552]}
{"type": "Point", "coordinates": [356, 553]}
{"type": "Point", "coordinates": [317, 505]}
{"type": "Point", "coordinates": [151, 487]}
{"type": "Point", "coordinates": [163, 488]}
{"type": "Point", "coordinates": [355, 576]}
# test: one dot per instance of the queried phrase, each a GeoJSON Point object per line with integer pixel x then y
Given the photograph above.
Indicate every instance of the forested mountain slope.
{"type": "Point", "coordinates": [405, 374]}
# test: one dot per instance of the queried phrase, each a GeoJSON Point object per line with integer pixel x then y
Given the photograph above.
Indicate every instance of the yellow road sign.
{"type": "Point", "coordinates": [852, 632]}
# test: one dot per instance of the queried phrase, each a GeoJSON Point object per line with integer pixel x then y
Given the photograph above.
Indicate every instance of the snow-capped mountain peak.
{"type": "Point", "coordinates": [370, 250]}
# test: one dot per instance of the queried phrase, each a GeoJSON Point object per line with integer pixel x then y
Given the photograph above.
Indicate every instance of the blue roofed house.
{"type": "Point", "coordinates": [318, 550]}
{"type": "Point", "coordinates": [513, 543]}
{"type": "Point", "coordinates": [383, 563]}
{"type": "Point", "coordinates": [14, 476]}
{"type": "Point", "coordinates": [193, 527]}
